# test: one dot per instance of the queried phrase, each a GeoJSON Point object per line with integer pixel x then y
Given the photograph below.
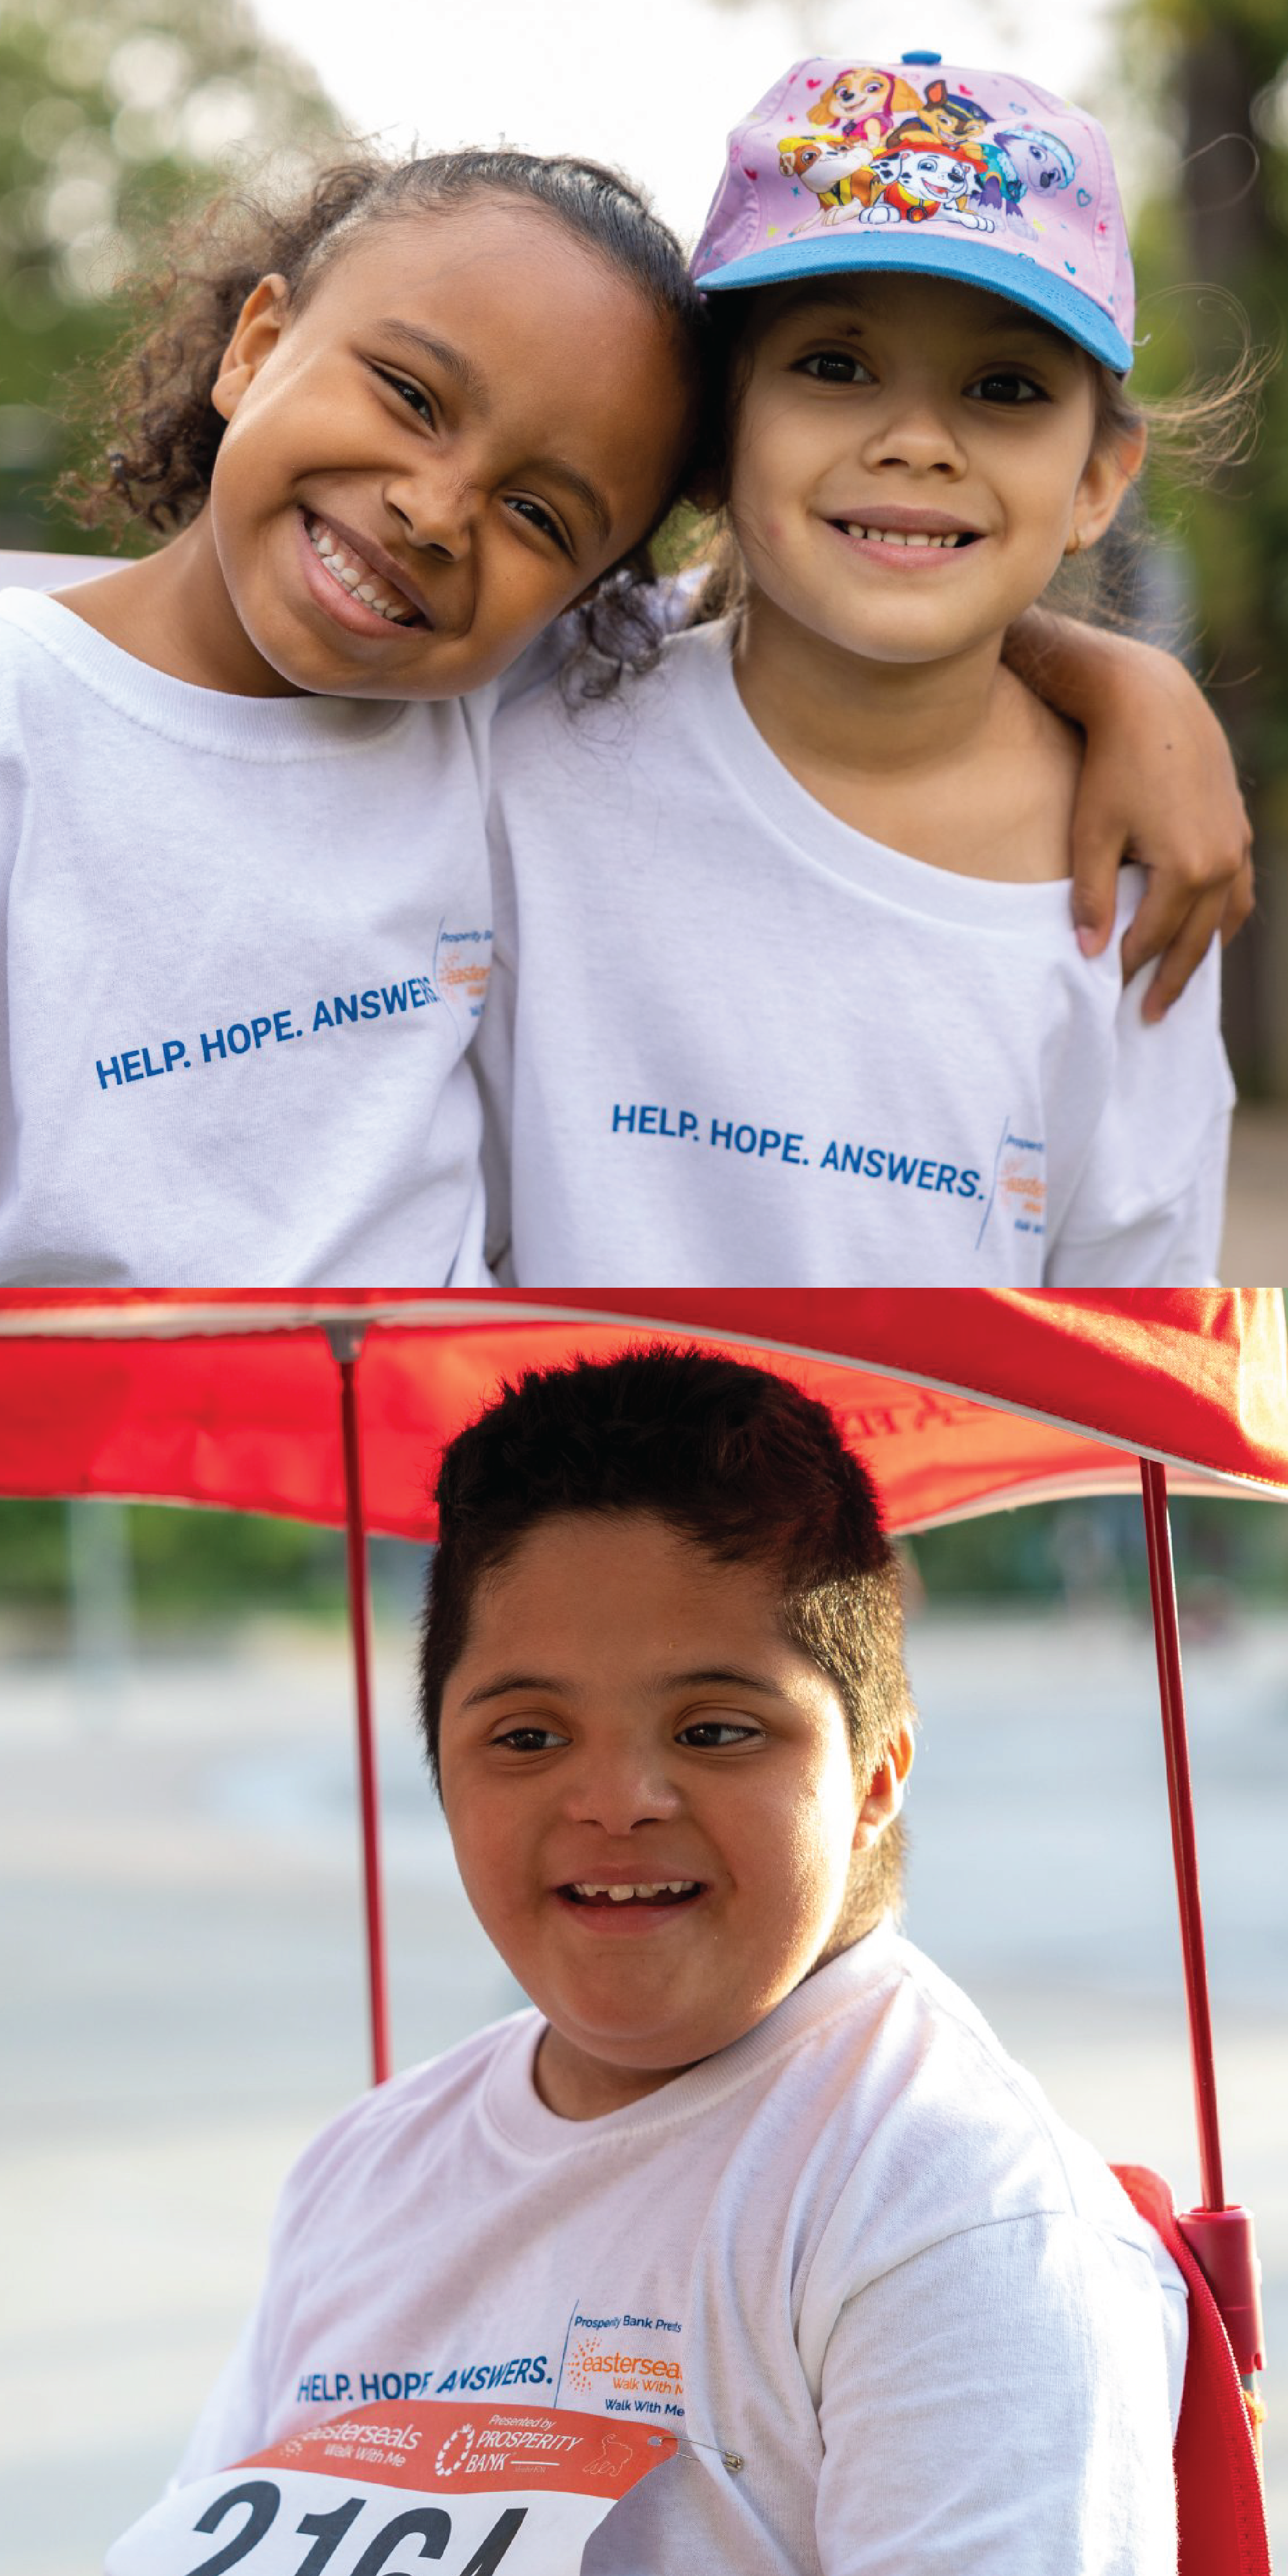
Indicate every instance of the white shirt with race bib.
{"type": "Point", "coordinates": [729, 1040]}
{"type": "Point", "coordinates": [246, 945]}
{"type": "Point", "coordinates": [901, 2319]}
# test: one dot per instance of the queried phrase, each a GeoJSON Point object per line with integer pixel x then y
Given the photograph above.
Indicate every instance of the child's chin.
{"type": "Point", "coordinates": [333, 674]}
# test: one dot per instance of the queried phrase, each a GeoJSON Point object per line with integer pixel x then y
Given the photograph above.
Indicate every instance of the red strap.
{"type": "Point", "coordinates": [1220, 2506]}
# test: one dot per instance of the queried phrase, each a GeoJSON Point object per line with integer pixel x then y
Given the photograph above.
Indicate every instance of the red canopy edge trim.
{"type": "Point", "coordinates": [1000, 1498]}
{"type": "Point", "coordinates": [166, 1318]}
{"type": "Point", "coordinates": [1069, 1488]}
{"type": "Point", "coordinates": [1074, 1488]}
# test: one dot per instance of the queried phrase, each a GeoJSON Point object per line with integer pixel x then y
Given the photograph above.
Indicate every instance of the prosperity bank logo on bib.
{"type": "Point", "coordinates": [374, 2492]}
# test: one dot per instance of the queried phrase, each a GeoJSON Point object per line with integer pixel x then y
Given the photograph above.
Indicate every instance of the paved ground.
{"type": "Point", "coordinates": [1255, 1250]}
{"type": "Point", "coordinates": [183, 1997]}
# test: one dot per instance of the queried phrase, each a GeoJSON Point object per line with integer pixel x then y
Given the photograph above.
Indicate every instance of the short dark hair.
{"type": "Point", "coordinates": [733, 1457]}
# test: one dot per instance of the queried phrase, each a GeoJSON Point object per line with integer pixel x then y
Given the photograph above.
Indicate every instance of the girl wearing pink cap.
{"type": "Point", "coordinates": [823, 1016]}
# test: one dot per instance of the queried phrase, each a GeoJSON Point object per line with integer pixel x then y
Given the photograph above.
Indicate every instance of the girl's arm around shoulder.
{"type": "Point", "coordinates": [1158, 785]}
{"type": "Point", "coordinates": [1148, 1208]}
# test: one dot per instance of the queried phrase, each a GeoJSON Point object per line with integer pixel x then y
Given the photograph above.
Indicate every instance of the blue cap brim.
{"type": "Point", "coordinates": [938, 252]}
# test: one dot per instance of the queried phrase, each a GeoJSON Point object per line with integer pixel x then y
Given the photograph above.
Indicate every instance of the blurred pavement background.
{"type": "Point", "coordinates": [1254, 1251]}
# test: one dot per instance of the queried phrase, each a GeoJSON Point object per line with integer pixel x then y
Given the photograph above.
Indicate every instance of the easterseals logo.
{"type": "Point", "coordinates": [650, 2379]}
{"type": "Point", "coordinates": [462, 965]}
{"type": "Point", "coordinates": [1018, 1190]}
{"type": "Point", "coordinates": [1021, 1182]}
{"type": "Point", "coordinates": [455, 2449]}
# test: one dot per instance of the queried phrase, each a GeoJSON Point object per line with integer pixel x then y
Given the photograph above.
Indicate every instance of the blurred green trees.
{"type": "Point", "coordinates": [109, 115]}
{"type": "Point", "coordinates": [182, 1567]}
{"type": "Point", "coordinates": [208, 1569]}
{"type": "Point", "coordinates": [1214, 73]}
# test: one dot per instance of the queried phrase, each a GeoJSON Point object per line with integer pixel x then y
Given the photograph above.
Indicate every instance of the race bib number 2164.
{"type": "Point", "coordinates": [379, 2492]}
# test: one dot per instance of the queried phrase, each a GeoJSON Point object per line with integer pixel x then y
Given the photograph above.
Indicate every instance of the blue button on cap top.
{"type": "Point", "coordinates": [923, 58]}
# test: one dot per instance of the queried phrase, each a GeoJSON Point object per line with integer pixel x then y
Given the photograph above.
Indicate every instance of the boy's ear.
{"type": "Point", "coordinates": [884, 1796]}
{"type": "Point", "coordinates": [258, 329]}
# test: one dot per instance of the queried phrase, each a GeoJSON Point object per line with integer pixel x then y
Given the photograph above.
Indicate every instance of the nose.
{"type": "Point", "coordinates": [911, 427]}
{"type": "Point", "coordinates": [438, 507]}
{"type": "Point", "coordinates": [617, 1788]}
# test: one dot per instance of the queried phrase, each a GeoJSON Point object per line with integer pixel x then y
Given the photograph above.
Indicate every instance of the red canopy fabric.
{"type": "Point", "coordinates": [962, 1400]}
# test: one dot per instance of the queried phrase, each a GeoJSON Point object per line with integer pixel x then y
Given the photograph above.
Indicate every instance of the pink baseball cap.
{"type": "Point", "coordinates": [916, 165]}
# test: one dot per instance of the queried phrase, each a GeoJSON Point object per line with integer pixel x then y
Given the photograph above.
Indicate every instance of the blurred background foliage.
{"type": "Point", "coordinates": [112, 114]}
{"type": "Point", "coordinates": [1212, 77]}
{"type": "Point", "coordinates": [159, 1571]}
{"type": "Point", "coordinates": [111, 117]}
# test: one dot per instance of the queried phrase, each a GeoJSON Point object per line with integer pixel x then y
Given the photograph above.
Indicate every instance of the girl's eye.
{"type": "Point", "coordinates": [413, 395]}
{"type": "Point", "coordinates": [834, 367]}
{"type": "Point", "coordinates": [1007, 385]}
{"type": "Point", "coordinates": [528, 1739]}
{"type": "Point", "coordinates": [540, 518]}
{"type": "Point", "coordinates": [710, 1726]}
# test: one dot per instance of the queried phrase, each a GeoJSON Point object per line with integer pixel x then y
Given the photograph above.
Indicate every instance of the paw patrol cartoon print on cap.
{"type": "Point", "coordinates": [915, 165]}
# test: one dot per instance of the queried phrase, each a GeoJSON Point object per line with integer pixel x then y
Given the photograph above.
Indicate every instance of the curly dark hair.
{"type": "Point", "coordinates": [151, 419]}
{"type": "Point", "coordinates": [733, 1457]}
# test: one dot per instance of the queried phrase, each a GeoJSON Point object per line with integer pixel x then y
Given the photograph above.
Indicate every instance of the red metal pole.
{"type": "Point", "coordinates": [346, 1344]}
{"type": "Point", "coordinates": [1219, 2234]}
{"type": "Point", "coordinates": [1167, 1642]}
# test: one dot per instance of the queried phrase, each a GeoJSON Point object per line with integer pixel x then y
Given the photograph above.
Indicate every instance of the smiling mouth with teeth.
{"type": "Point", "coordinates": [633, 1892]}
{"type": "Point", "coordinates": [908, 536]}
{"type": "Point", "coordinates": [348, 568]}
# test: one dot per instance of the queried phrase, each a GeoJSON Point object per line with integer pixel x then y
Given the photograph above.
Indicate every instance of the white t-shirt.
{"type": "Point", "coordinates": [901, 2318]}
{"type": "Point", "coordinates": [286, 898]}
{"type": "Point", "coordinates": [729, 1040]}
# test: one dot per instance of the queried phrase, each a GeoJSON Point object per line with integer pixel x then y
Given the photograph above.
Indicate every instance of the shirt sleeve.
{"type": "Point", "coordinates": [1002, 2405]}
{"type": "Point", "coordinates": [1148, 1207]}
